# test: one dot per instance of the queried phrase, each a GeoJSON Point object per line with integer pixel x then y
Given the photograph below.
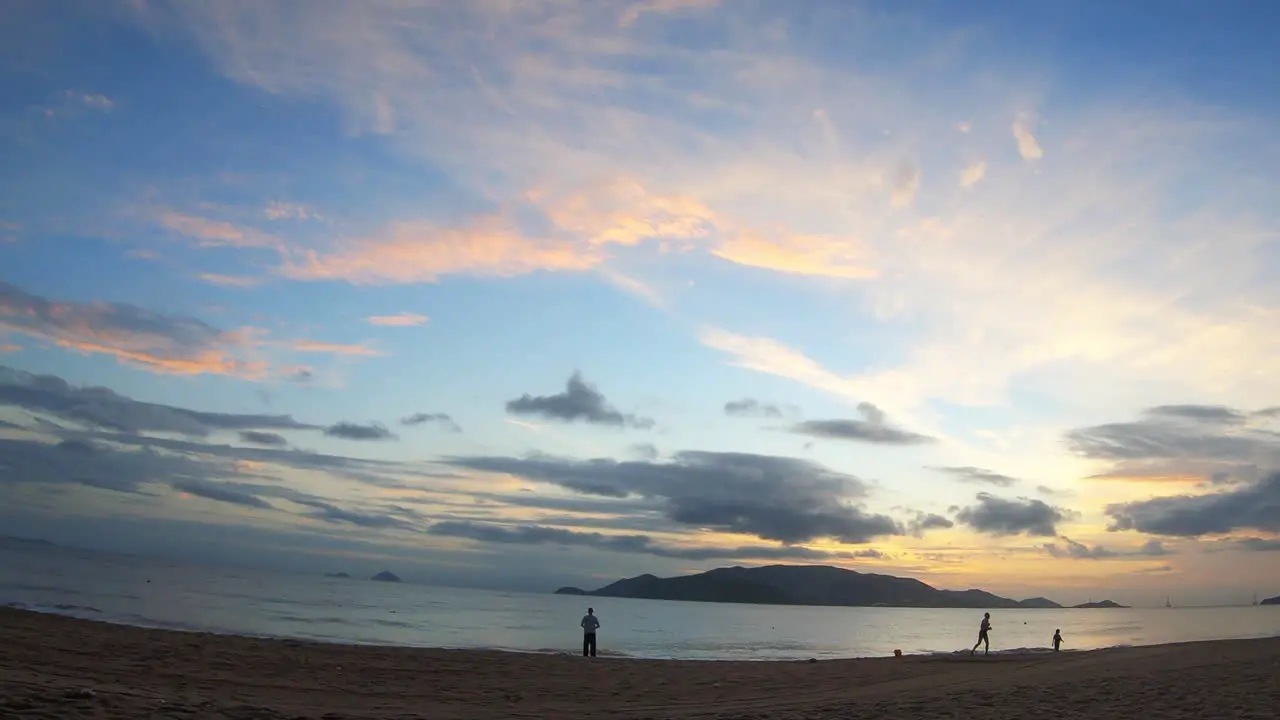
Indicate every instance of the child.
{"type": "Point", "coordinates": [1057, 639]}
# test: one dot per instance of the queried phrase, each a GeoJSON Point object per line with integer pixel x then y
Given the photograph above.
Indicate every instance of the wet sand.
{"type": "Point", "coordinates": [54, 667]}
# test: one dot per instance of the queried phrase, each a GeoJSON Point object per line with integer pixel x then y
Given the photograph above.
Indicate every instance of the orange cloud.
{"type": "Point", "coordinates": [421, 251]}
{"type": "Point", "coordinates": [5, 349]}
{"type": "Point", "coordinates": [169, 344]}
{"type": "Point", "coordinates": [398, 320]}
{"type": "Point", "coordinates": [799, 254]}
{"type": "Point", "coordinates": [217, 233]}
{"type": "Point", "coordinates": [240, 281]}
{"type": "Point", "coordinates": [625, 213]}
{"type": "Point", "coordinates": [313, 346]}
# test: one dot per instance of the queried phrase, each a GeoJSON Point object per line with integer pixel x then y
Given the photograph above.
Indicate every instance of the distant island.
{"type": "Point", "coordinates": [1271, 601]}
{"type": "Point", "coordinates": [337, 575]}
{"type": "Point", "coordinates": [1100, 604]}
{"type": "Point", "coordinates": [803, 585]}
{"type": "Point", "coordinates": [386, 576]}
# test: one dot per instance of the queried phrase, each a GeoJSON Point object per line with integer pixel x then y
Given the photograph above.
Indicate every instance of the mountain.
{"type": "Point", "coordinates": [1100, 604]}
{"type": "Point", "coordinates": [805, 585]}
{"type": "Point", "coordinates": [1271, 601]}
{"type": "Point", "coordinates": [570, 591]}
{"type": "Point", "coordinates": [386, 576]}
{"type": "Point", "coordinates": [337, 575]}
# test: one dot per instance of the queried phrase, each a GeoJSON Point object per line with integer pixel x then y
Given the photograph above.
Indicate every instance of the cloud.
{"type": "Point", "coordinates": [99, 407]}
{"type": "Point", "coordinates": [289, 211]}
{"type": "Point", "coordinates": [997, 516]}
{"type": "Point", "coordinates": [928, 521]}
{"type": "Point", "coordinates": [171, 344]}
{"type": "Point", "coordinates": [1216, 414]}
{"type": "Point", "coordinates": [1254, 544]}
{"type": "Point", "coordinates": [973, 174]}
{"type": "Point", "coordinates": [355, 431]}
{"type": "Point", "coordinates": [1255, 506]}
{"type": "Point", "coordinates": [314, 346]}
{"type": "Point", "coordinates": [540, 535]}
{"type": "Point", "coordinates": [257, 437]}
{"type": "Point", "coordinates": [638, 8]}
{"type": "Point", "coordinates": [906, 183]}
{"type": "Point", "coordinates": [221, 493]}
{"type": "Point", "coordinates": [398, 320]}
{"type": "Point", "coordinates": [978, 476]}
{"type": "Point", "coordinates": [423, 252]}
{"type": "Point", "coordinates": [645, 451]}
{"type": "Point", "coordinates": [1079, 551]}
{"type": "Point", "coordinates": [775, 498]}
{"type": "Point", "coordinates": [750, 407]}
{"type": "Point", "coordinates": [579, 401]}
{"type": "Point", "coordinates": [873, 428]}
{"type": "Point", "coordinates": [800, 254]}
{"type": "Point", "coordinates": [99, 465]}
{"type": "Point", "coordinates": [439, 419]}
{"type": "Point", "coordinates": [1028, 147]}
{"type": "Point", "coordinates": [1196, 443]}
{"type": "Point", "coordinates": [236, 281]}
{"type": "Point", "coordinates": [209, 232]}
{"type": "Point", "coordinates": [1111, 285]}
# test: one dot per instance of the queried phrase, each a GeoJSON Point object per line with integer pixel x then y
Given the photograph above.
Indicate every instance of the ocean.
{"type": "Point", "coordinates": [163, 594]}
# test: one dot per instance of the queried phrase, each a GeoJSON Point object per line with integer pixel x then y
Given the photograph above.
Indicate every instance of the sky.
{"type": "Point", "coordinates": [527, 293]}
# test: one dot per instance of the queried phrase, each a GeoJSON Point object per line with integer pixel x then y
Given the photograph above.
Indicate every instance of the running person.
{"type": "Point", "coordinates": [982, 636]}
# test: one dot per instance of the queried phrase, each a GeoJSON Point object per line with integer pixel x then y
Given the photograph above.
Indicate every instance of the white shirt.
{"type": "Point", "coordinates": [590, 623]}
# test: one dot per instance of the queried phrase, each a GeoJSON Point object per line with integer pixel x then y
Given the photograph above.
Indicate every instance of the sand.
{"type": "Point", "coordinates": [54, 667]}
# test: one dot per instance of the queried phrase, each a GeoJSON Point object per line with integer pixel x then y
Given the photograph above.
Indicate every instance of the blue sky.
{"type": "Point", "coordinates": [997, 277]}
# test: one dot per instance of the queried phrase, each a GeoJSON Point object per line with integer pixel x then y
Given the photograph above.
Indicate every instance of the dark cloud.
{"type": "Point", "coordinates": [156, 341]}
{"type": "Point", "coordinates": [377, 521]}
{"type": "Point", "coordinates": [301, 376]}
{"type": "Point", "coordinates": [774, 498]}
{"type": "Point", "coordinates": [873, 428]}
{"type": "Point", "coordinates": [930, 521]}
{"type": "Point", "coordinates": [257, 437]}
{"type": "Point", "coordinates": [1051, 492]}
{"type": "Point", "coordinates": [221, 493]}
{"type": "Point", "coordinates": [541, 534]}
{"type": "Point", "coordinates": [100, 407]}
{"type": "Point", "coordinates": [1216, 444]}
{"type": "Point", "coordinates": [99, 465]}
{"type": "Point", "coordinates": [978, 476]}
{"type": "Point", "coordinates": [1254, 544]}
{"type": "Point", "coordinates": [579, 401]}
{"type": "Point", "coordinates": [441, 420]}
{"type": "Point", "coordinates": [1271, 412]}
{"type": "Point", "coordinates": [355, 431]}
{"type": "Point", "coordinates": [1255, 506]}
{"type": "Point", "coordinates": [1078, 551]}
{"type": "Point", "coordinates": [998, 516]}
{"type": "Point", "coordinates": [1216, 414]}
{"type": "Point", "coordinates": [750, 407]}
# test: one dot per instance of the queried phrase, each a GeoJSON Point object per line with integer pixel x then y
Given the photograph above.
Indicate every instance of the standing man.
{"type": "Point", "coordinates": [590, 623]}
{"type": "Point", "coordinates": [982, 636]}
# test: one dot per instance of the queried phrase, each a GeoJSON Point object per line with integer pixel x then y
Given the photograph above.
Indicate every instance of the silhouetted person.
{"type": "Point", "coordinates": [1057, 640]}
{"type": "Point", "coordinates": [590, 623]}
{"type": "Point", "coordinates": [982, 636]}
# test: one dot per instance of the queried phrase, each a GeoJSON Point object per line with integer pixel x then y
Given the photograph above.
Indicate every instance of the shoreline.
{"type": "Point", "coordinates": [65, 612]}
{"type": "Point", "coordinates": [54, 666]}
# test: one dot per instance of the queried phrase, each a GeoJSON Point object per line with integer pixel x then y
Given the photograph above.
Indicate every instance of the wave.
{"type": "Point", "coordinates": [53, 608]}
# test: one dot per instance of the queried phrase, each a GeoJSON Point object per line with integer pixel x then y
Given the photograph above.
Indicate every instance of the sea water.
{"type": "Point", "coordinates": [157, 593]}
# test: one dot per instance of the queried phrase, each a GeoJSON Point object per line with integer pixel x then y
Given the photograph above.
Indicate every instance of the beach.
{"type": "Point", "coordinates": [58, 667]}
